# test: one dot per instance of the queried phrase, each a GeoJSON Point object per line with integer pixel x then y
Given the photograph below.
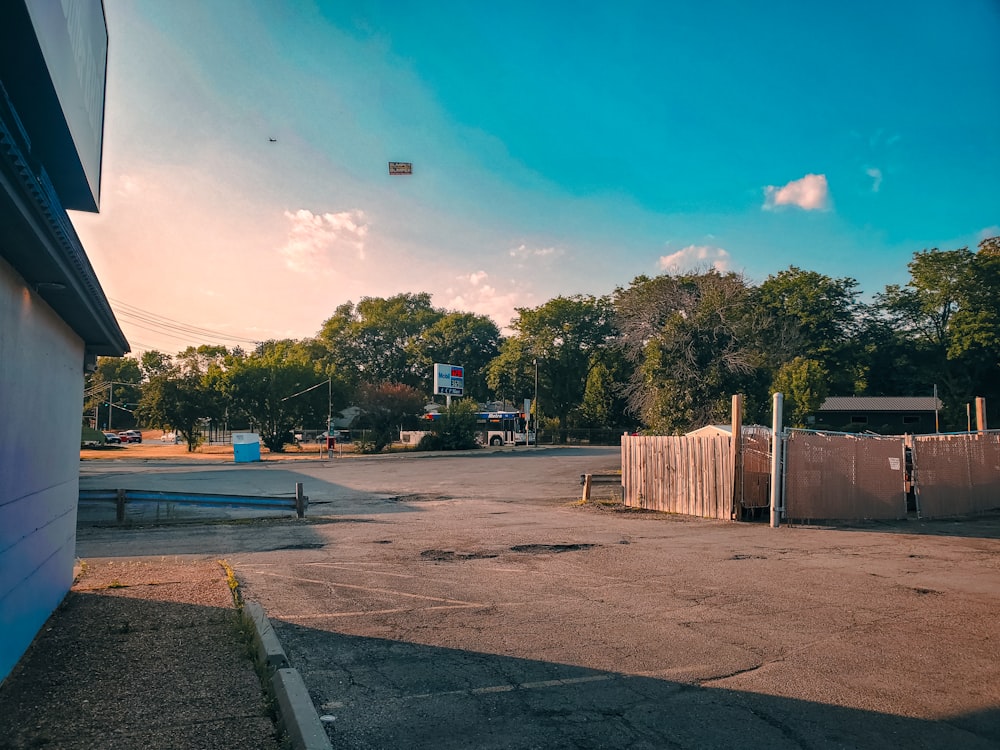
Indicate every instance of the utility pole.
{"type": "Point", "coordinates": [537, 413]}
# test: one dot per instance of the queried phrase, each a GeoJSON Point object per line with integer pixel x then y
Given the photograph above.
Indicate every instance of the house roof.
{"type": "Point", "coordinates": [881, 403]}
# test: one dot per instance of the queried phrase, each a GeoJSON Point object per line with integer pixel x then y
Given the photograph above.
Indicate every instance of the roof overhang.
{"type": "Point", "coordinates": [39, 242]}
{"type": "Point", "coordinates": [53, 63]}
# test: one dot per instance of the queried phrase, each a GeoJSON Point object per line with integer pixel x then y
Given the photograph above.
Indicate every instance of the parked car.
{"type": "Point", "coordinates": [130, 436]}
{"type": "Point", "coordinates": [111, 438]}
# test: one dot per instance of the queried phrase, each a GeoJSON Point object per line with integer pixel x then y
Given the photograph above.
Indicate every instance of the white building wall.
{"type": "Point", "coordinates": [41, 392]}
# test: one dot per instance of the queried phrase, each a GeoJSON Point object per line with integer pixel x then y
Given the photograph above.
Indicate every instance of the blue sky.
{"type": "Point", "coordinates": [556, 149]}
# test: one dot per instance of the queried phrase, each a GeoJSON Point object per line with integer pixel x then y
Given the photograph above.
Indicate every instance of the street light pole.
{"type": "Point", "coordinates": [537, 413]}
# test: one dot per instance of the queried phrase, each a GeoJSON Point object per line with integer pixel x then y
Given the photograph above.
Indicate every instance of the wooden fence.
{"type": "Point", "coordinates": [690, 475]}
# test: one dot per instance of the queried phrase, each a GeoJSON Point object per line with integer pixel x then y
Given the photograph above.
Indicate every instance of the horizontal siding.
{"type": "Point", "coordinates": [41, 386]}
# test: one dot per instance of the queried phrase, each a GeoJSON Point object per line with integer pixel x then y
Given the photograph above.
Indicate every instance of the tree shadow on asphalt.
{"type": "Point", "coordinates": [386, 693]}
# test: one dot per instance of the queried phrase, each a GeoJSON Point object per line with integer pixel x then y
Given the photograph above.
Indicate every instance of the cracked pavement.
{"type": "Point", "coordinates": [500, 615]}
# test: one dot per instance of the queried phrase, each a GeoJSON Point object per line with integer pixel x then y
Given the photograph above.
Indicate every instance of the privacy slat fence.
{"type": "Point", "coordinates": [755, 488]}
{"type": "Point", "coordinates": [837, 476]}
{"type": "Point", "coordinates": [957, 474]}
{"type": "Point", "coordinates": [689, 475]}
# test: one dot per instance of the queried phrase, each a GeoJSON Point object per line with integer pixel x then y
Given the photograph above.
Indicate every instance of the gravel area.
{"type": "Point", "coordinates": [143, 653]}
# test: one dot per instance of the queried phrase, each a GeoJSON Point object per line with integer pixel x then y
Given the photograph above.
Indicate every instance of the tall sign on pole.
{"type": "Point", "coordinates": [449, 380]}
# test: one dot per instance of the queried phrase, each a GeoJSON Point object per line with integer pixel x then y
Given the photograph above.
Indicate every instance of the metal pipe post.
{"type": "Point", "coordinates": [776, 422]}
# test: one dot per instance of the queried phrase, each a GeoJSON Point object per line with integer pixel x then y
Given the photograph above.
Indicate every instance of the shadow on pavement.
{"type": "Point", "coordinates": [981, 526]}
{"type": "Point", "coordinates": [224, 537]}
{"type": "Point", "coordinates": [386, 693]}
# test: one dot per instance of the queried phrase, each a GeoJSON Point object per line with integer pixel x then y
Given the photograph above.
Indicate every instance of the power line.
{"type": "Point", "coordinates": [171, 327]}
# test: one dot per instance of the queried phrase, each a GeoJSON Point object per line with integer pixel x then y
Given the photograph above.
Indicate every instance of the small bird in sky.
{"type": "Point", "coordinates": [273, 140]}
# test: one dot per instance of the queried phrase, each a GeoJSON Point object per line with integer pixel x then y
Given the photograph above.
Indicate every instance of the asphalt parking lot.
{"type": "Point", "coordinates": [458, 602]}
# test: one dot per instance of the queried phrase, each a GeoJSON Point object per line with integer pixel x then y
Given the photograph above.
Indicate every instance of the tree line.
{"type": "Point", "coordinates": [663, 354]}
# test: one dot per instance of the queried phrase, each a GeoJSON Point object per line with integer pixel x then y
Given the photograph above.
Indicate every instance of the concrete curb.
{"type": "Point", "coordinates": [297, 716]}
{"type": "Point", "coordinates": [268, 647]}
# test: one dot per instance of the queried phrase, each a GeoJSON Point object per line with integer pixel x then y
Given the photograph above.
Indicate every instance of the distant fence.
{"type": "Point", "coordinates": [582, 436]}
{"type": "Point", "coordinates": [824, 476]}
{"type": "Point", "coordinates": [686, 474]}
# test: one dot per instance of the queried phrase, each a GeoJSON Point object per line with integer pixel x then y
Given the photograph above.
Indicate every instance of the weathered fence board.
{"type": "Point", "coordinates": [692, 475]}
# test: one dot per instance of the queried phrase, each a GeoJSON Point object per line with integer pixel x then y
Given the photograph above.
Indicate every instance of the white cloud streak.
{"type": "Point", "coordinates": [876, 174]}
{"type": "Point", "coordinates": [522, 252]}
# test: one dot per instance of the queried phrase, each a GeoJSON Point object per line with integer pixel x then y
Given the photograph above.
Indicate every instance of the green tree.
{"type": "Point", "coordinates": [803, 382]}
{"type": "Point", "coordinates": [370, 342]}
{"type": "Point", "coordinates": [455, 430]}
{"type": "Point", "coordinates": [457, 338]}
{"type": "Point", "coordinates": [694, 340]}
{"type": "Point", "coordinates": [269, 388]}
{"type": "Point", "coordinates": [949, 315]}
{"type": "Point", "coordinates": [153, 363]}
{"type": "Point", "coordinates": [820, 317]}
{"type": "Point", "coordinates": [118, 379]}
{"type": "Point", "coordinates": [567, 336]}
{"type": "Point", "coordinates": [386, 407]}
{"type": "Point", "coordinates": [178, 400]}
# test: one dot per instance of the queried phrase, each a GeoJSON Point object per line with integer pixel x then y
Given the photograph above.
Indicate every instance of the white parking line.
{"type": "Point", "coordinates": [508, 688]}
{"type": "Point", "coordinates": [518, 686]}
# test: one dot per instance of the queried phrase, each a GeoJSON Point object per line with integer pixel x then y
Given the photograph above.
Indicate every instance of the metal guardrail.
{"type": "Point", "coordinates": [299, 503]}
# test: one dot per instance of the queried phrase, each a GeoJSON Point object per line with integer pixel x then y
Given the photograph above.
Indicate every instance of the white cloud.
{"type": "Point", "coordinates": [694, 256]}
{"type": "Point", "coordinates": [523, 251]}
{"type": "Point", "coordinates": [316, 240]}
{"type": "Point", "coordinates": [876, 174]}
{"type": "Point", "coordinates": [474, 293]}
{"type": "Point", "coordinates": [810, 193]}
{"type": "Point", "coordinates": [987, 232]}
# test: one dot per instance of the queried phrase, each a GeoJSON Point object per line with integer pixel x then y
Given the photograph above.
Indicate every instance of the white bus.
{"type": "Point", "coordinates": [503, 428]}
